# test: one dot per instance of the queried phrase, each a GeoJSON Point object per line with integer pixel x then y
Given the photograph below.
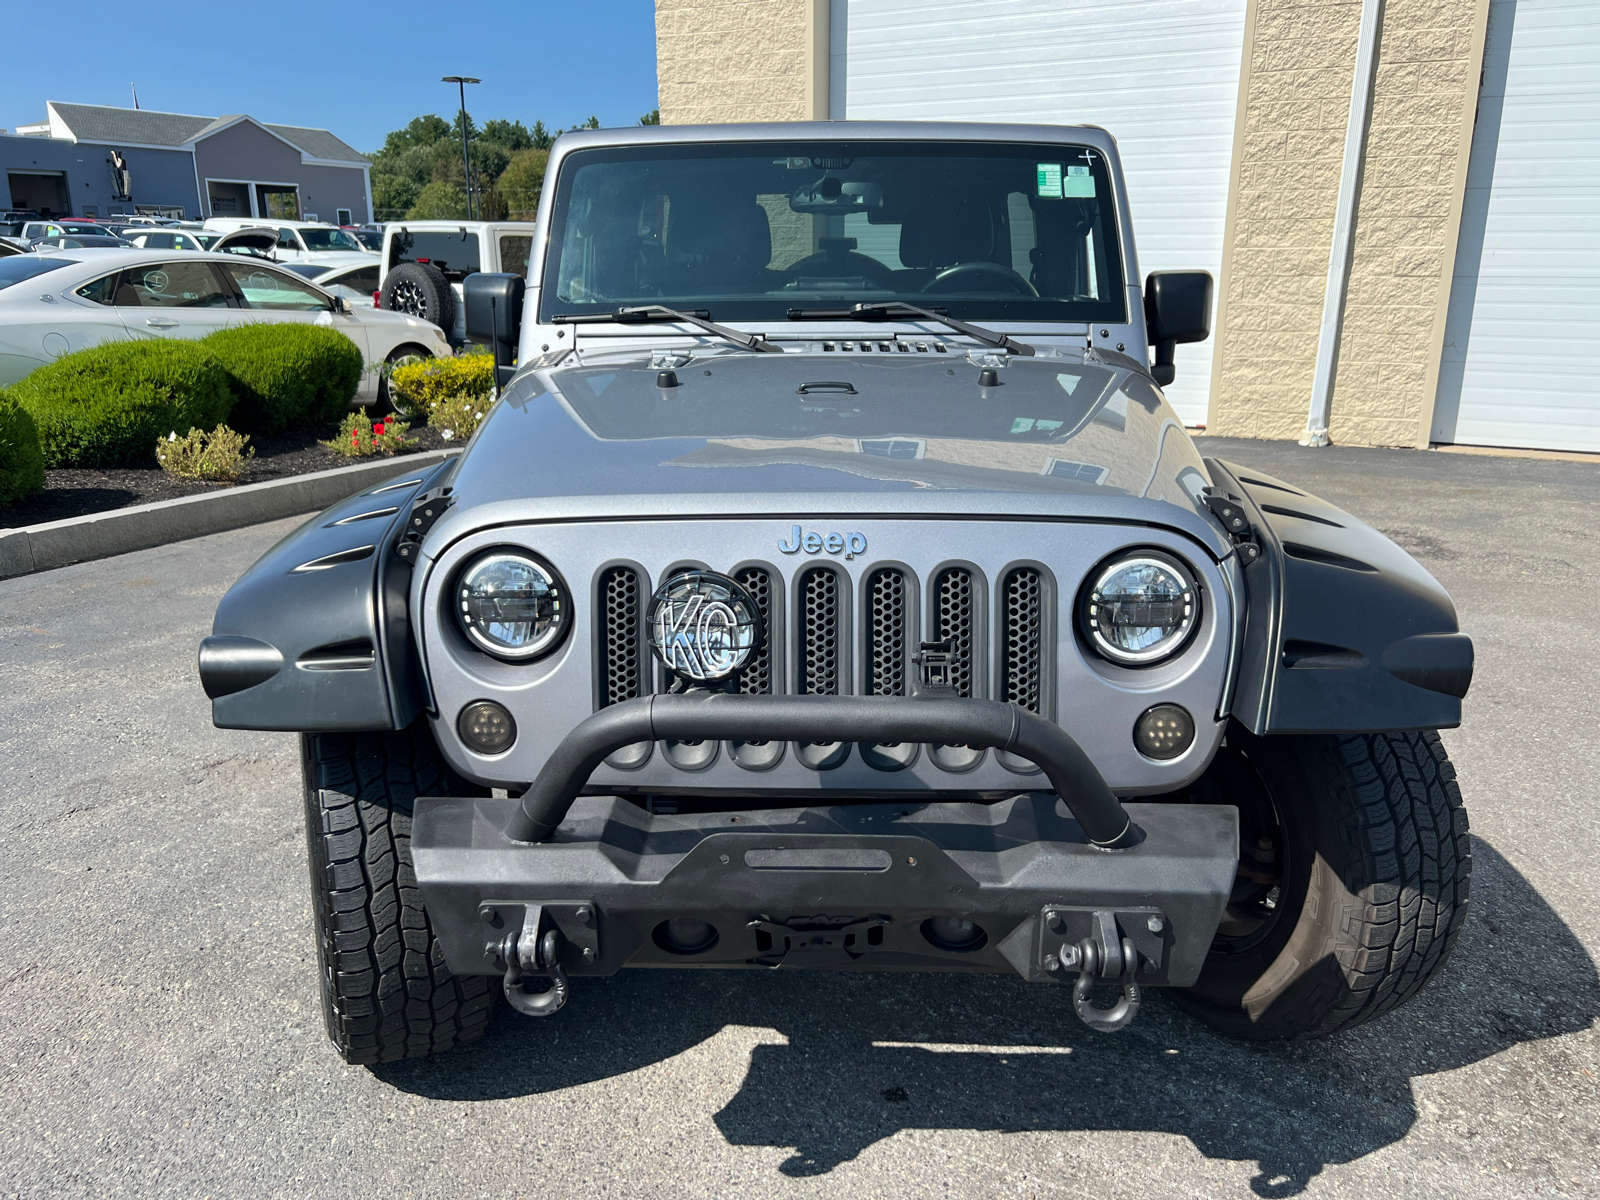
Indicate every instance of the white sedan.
{"type": "Point", "coordinates": [56, 303]}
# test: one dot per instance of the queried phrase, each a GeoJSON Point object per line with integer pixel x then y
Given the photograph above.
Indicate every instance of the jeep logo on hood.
{"type": "Point", "coordinates": [812, 542]}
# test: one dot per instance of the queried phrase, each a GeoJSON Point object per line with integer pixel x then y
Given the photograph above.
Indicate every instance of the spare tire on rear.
{"type": "Point", "coordinates": [420, 290]}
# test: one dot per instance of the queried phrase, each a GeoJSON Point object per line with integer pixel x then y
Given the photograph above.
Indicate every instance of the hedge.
{"type": "Point", "coordinates": [287, 374]}
{"type": "Point", "coordinates": [421, 385]}
{"type": "Point", "coordinates": [107, 405]}
{"type": "Point", "coordinates": [21, 461]}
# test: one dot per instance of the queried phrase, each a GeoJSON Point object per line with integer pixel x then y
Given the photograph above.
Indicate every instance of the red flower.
{"type": "Point", "coordinates": [355, 439]}
{"type": "Point", "coordinates": [377, 430]}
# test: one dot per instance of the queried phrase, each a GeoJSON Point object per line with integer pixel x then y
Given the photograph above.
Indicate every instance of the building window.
{"type": "Point", "coordinates": [342, 216]}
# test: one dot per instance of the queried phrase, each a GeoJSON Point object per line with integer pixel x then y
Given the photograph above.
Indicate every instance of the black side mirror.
{"type": "Point", "coordinates": [1177, 308]}
{"type": "Point", "coordinates": [494, 317]}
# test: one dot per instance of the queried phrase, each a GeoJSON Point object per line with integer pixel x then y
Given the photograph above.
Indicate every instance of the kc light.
{"type": "Point", "coordinates": [1139, 609]}
{"type": "Point", "coordinates": [512, 605]}
{"type": "Point", "coordinates": [703, 626]}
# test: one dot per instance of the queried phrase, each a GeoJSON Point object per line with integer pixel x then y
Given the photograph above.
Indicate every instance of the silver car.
{"type": "Point", "coordinates": [832, 587]}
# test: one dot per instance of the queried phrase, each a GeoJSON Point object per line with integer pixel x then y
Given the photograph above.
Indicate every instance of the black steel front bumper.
{"type": "Point", "coordinates": [849, 886]}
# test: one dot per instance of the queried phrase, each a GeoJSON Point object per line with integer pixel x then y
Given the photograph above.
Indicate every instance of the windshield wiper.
{"type": "Point", "coordinates": [646, 313]}
{"type": "Point", "coordinates": [887, 309]}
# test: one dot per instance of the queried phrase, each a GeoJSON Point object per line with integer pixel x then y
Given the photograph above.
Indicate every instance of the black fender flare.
{"type": "Point", "coordinates": [1344, 631]}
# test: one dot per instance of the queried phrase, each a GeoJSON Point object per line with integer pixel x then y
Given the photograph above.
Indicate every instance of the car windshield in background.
{"type": "Point", "coordinates": [370, 239]}
{"type": "Point", "coordinates": [306, 270]}
{"type": "Point", "coordinates": [750, 231]}
{"type": "Point", "coordinates": [328, 239]}
{"type": "Point", "coordinates": [21, 268]}
{"type": "Point", "coordinates": [455, 252]}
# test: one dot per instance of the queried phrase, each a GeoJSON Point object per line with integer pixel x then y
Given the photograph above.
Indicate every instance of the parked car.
{"type": "Point", "coordinates": [301, 241]}
{"type": "Point", "coordinates": [10, 246]}
{"type": "Point", "coordinates": [358, 283]}
{"type": "Point", "coordinates": [370, 236]}
{"type": "Point", "coordinates": [425, 262]}
{"type": "Point", "coordinates": [90, 297]}
{"type": "Point", "coordinates": [81, 241]}
{"type": "Point", "coordinates": [833, 588]}
{"type": "Point", "coordinates": [33, 230]}
{"type": "Point", "coordinates": [259, 242]}
{"type": "Point", "coordinates": [13, 219]}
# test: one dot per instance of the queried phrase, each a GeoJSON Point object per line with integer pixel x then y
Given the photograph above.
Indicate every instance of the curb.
{"type": "Point", "coordinates": [52, 544]}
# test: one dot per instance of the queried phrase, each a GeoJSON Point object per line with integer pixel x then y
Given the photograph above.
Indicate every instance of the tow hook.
{"type": "Point", "coordinates": [1103, 958]}
{"type": "Point", "coordinates": [527, 952]}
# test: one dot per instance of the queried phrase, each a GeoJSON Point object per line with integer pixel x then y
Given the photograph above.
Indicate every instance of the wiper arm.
{"type": "Point", "coordinates": [887, 309]}
{"type": "Point", "coordinates": [646, 313]}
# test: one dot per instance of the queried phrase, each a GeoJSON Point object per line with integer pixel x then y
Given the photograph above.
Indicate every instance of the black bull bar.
{"type": "Point", "coordinates": [712, 716]}
{"type": "Point", "coordinates": [558, 883]}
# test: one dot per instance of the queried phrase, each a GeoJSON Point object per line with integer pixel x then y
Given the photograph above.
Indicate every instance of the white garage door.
{"type": "Point", "coordinates": [1523, 337]}
{"type": "Point", "coordinates": [1161, 75]}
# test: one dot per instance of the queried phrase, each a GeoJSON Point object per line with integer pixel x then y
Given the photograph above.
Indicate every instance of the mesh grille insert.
{"type": "Point", "coordinates": [886, 633]}
{"type": "Point", "coordinates": [956, 619]}
{"type": "Point", "coordinates": [756, 678]}
{"type": "Point", "coordinates": [622, 667]}
{"type": "Point", "coordinates": [1024, 632]}
{"type": "Point", "coordinates": [818, 657]}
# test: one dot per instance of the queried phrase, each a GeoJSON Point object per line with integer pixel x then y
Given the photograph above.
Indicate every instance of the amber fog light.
{"type": "Point", "coordinates": [486, 727]}
{"type": "Point", "coordinates": [1164, 731]}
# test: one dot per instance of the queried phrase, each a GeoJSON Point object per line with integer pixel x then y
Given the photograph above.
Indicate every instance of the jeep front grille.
{"type": "Point", "coordinates": [757, 676]}
{"type": "Point", "coordinates": [623, 670]}
{"type": "Point", "coordinates": [1023, 631]}
{"type": "Point", "coordinates": [887, 626]}
{"type": "Point", "coordinates": [820, 649]}
{"type": "Point", "coordinates": [956, 620]}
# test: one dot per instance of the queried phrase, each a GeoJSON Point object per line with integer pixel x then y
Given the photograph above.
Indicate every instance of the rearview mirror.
{"type": "Point", "coordinates": [834, 197]}
{"type": "Point", "coordinates": [494, 317]}
{"type": "Point", "coordinates": [1177, 308]}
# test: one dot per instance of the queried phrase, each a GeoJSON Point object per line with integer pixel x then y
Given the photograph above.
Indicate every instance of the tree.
{"type": "Point", "coordinates": [522, 181]}
{"type": "Point", "coordinates": [510, 136]}
{"type": "Point", "coordinates": [653, 117]}
{"type": "Point", "coordinates": [420, 131]}
{"type": "Point", "coordinates": [439, 201]}
{"type": "Point", "coordinates": [543, 139]}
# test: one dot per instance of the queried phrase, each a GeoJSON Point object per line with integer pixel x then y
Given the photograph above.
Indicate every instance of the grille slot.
{"type": "Point", "coordinates": [622, 673]}
{"type": "Point", "coordinates": [955, 619]}
{"type": "Point", "coordinates": [820, 649]}
{"type": "Point", "coordinates": [1023, 596]}
{"type": "Point", "coordinates": [756, 678]}
{"type": "Point", "coordinates": [887, 631]}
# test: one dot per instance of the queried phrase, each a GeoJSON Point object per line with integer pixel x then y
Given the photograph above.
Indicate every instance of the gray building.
{"type": "Point", "coordinates": [91, 160]}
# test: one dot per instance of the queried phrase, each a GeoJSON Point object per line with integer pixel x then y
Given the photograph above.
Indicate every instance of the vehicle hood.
{"type": "Point", "coordinates": [1058, 433]}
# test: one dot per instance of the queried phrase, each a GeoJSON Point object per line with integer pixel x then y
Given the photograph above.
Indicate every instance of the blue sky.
{"type": "Point", "coordinates": [359, 69]}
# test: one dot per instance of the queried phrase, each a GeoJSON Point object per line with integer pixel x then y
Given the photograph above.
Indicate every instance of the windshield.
{"type": "Point", "coordinates": [329, 239]}
{"type": "Point", "coordinates": [23, 268]}
{"type": "Point", "coordinates": [750, 231]}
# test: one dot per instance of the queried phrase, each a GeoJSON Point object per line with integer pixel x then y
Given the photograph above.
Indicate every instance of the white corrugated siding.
{"type": "Point", "coordinates": [1161, 75]}
{"type": "Point", "coordinates": [1523, 336]}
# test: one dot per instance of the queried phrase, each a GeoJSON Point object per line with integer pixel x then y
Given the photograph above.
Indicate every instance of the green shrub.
{"type": "Point", "coordinates": [21, 461]}
{"type": "Point", "coordinates": [417, 386]}
{"type": "Point", "coordinates": [458, 416]}
{"type": "Point", "coordinates": [108, 404]}
{"type": "Point", "coordinates": [360, 437]}
{"type": "Point", "coordinates": [219, 456]}
{"type": "Point", "coordinates": [287, 374]}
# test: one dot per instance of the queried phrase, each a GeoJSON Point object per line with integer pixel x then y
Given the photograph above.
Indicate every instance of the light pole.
{"type": "Point", "coordinates": [461, 81]}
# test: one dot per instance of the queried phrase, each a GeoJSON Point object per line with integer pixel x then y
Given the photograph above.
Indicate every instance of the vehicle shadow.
{"type": "Point", "coordinates": [870, 1055]}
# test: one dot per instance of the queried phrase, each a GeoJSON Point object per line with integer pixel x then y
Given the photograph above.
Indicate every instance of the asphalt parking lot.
{"type": "Point", "coordinates": [160, 1033]}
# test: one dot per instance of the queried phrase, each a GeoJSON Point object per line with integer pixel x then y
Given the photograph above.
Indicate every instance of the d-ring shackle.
{"type": "Point", "coordinates": [1087, 955]}
{"type": "Point", "coordinates": [536, 958]}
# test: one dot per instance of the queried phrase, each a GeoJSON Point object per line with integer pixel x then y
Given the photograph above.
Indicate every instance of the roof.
{"type": "Point", "coordinates": [145, 127]}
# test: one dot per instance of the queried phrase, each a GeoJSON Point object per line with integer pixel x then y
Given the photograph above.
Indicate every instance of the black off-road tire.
{"type": "Point", "coordinates": [420, 290]}
{"type": "Point", "coordinates": [1376, 869]}
{"type": "Point", "coordinates": [386, 991]}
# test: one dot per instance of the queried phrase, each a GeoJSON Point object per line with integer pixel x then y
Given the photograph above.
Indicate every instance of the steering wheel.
{"type": "Point", "coordinates": [964, 275]}
{"type": "Point", "coordinates": [879, 275]}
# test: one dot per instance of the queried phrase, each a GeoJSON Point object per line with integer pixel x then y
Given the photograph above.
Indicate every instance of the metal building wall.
{"type": "Point", "coordinates": [1161, 75]}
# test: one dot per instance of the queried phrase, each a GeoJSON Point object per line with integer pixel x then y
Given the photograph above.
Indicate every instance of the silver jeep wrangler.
{"type": "Point", "coordinates": [832, 587]}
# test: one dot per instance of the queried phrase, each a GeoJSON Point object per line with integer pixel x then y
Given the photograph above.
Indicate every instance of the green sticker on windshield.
{"type": "Point", "coordinates": [1078, 182]}
{"type": "Point", "coordinates": [1050, 180]}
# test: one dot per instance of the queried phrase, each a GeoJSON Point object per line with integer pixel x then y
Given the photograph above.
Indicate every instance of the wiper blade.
{"type": "Point", "coordinates": [647, 313]}
{"type": "Point", "coordinates": [888, 309]}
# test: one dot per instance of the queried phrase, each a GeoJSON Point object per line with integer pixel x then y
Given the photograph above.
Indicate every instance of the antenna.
{"type": "Point", "coordinates": [135, 88]}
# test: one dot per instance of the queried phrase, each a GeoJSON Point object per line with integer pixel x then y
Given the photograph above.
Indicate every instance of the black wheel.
{"type": "Point", "coordinates": [420, 290]}
{"type": "Point", "coordinates": [399, 357]}
{"type": "Point", "coordinates": [386, 991]}
{"type": "Point", "coordinates": [1354, 874]}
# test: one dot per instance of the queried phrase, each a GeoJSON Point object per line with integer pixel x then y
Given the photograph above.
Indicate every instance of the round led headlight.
{"type": "Point", "coordinates": [703, 626]}
{"type": "Point", "coordinates": [511, 605]}
{"type": "Point", "coordinates": [1139, 609]}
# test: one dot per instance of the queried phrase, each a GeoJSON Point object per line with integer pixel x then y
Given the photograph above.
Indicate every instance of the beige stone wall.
{"type": "Point", "coordinates": [1410, 211]}
{"type": "Point", "coordinates": [734, 60]}
{"type": "Point", "coordinates": [1288, 149]}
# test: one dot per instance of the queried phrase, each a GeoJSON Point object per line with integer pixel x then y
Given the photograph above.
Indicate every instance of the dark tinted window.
{"type": "Point", "coordinates": [514, 249]}
{"type": "Point", "coordinates": [453, 252]}
{"type": "Point", "coordinates": [20, 268]}
{"type": "Point", "coordinates": [102, 290]}
{"type": "Point", "coordinates": [363, 279]}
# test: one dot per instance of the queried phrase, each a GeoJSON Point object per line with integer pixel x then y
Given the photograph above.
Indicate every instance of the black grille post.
{"type": "Point", "coordinates": [888, 627]}
{"type": "Point", "coordinates": [820, 652]}
{"type": "Point", "coordinates": [956, 619]}
{"type": "Point", "coordinates": [622, 669]}
{"type": "Point", "coordinates": [757, 676]}
{"type": "Point", "coordinates": [1023, 629]}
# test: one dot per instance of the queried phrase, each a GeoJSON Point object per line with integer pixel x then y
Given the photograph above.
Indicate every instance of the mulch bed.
{"type": "Point", "coordinates": [73, 492]}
